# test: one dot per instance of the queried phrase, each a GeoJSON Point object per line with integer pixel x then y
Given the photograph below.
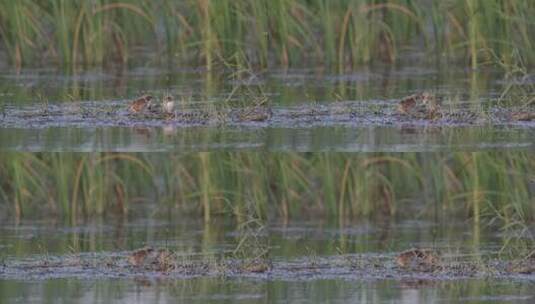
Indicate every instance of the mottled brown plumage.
{"type": "Point", "coordinates": [418, 259]}
{"type": "Point", "coordinates": [257, 266]}
{"type": "Point", "coordinates": [153, 259]}
{"type": "Point", "coordinates": [523, 116]}
{"type": "Point", "coordinates": [137, 258]}
{"type": "Point", "coordinates": [421, 105]}
{"type": "Point", "coordinates": [141, 104]}
{"type": "Point", "coordinates": [257, 113]}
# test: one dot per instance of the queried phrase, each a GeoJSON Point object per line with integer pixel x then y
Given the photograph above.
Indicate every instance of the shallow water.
{"type": "Point", "coordinates": [247, 291]}
{"type": "Point", "coordinates": [47, 110]}
{"type": "Point", "coordinates": [296, 243]}
{"type": "Point", "coordinates": [343, 139]}
{"type": "Point", "coordinates": [308, 256]}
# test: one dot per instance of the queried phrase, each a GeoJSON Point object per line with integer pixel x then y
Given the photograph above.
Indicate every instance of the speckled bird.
{"type": "Point", "coordinates": [421, 105]}
{"type": "Point", "coordinates": [417, 258]}
{"type": "Point", "coordinates": [141, 104]}
{"type": "Point", "coordinates": [137, 258]}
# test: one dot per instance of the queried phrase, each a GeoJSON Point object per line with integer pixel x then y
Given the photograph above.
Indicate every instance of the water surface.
{"type": "Point", "coordinates": [309, 93]}
{"type": "Point", "coordinates": [295, 242]}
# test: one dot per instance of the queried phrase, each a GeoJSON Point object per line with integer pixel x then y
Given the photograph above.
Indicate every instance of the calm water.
{"type": "Point", "coordinates": [239, 291]}
{"type": "Point", "coordinates": [40, 89]}
{"type": "Point", "coordinates": [343, 139]}
{"type": "Point", "coordinates": [289, 242]}
{"type": "Point", "coordinates": [292, 242]}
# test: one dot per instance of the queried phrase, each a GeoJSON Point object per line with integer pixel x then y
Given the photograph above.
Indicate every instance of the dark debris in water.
{"type": "Point", "coordinates": [414, 265]}
{"type": "Point", "coordinates": [349, 113]}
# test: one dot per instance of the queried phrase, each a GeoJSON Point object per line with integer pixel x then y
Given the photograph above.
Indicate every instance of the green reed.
{"type": "Point", "coordinates": [482, 186]}
{"type": "Point", "coordinates": [337, 34]}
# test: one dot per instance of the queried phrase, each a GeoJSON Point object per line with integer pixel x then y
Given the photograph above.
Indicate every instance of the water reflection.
{"type": "Point", "coordinates": [54, 238]}
{"type": "Point", "coordinates": [225, 291]}
{"type": "Point", "coordinates": [284, 88]}
{"type": "Point", "coordinates": [341, 139]}
{"type": "Point", "coordinates": [133, 291]}
{"type": "Point", "coordinates": [288, 241]}
{"type": "Point", "coordinates": [334, 291]}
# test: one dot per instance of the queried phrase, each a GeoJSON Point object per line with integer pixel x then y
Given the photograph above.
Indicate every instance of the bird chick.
{"type": "Point", "coordinates": [168, 104]}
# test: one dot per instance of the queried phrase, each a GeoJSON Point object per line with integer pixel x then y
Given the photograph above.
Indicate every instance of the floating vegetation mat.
{"type": "Point", "coordinates": [414, 264]}
{"type": "Point", "coordinates": [349, 113]}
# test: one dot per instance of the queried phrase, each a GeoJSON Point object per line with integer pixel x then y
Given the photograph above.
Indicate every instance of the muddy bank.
{"type": "Point", "coordinates": [164, 264]}
{"type": "Point", "coordinates": [349, 113]}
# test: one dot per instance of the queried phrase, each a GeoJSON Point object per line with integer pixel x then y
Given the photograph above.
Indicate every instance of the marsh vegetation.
{"type": "Point", "coordinates": [225, 183]}
{"type": "Point", "coordinates": [339, 35]}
